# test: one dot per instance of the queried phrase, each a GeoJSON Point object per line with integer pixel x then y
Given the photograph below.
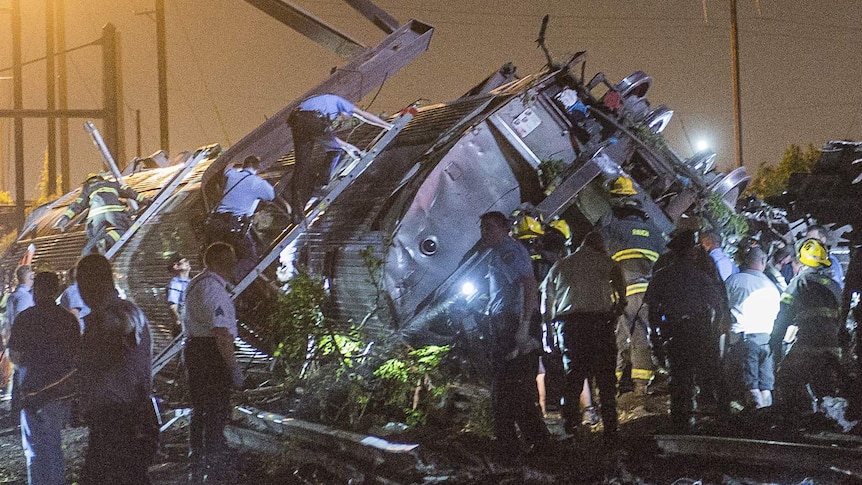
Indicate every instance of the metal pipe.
{"type": "Point", "coordinates": [106, 155]}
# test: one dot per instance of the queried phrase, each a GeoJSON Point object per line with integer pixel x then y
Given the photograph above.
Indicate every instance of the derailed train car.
{"type": "Point", "coordinates": [551, 140]}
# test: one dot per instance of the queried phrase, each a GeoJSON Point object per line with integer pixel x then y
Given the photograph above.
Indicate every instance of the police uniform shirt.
{"type": "Point", "coordinates": [509, 262]}
{"type": "Point", "coordinates": [208, 306]}
{"type": "Point", "coordinates": [176, 292]}
{"type": "Point", "coordinates": [71, 300]}
{"type": "Point", "coordinates": [243, 188]}
{"type": "Point", "coordinates": [20, 300]}
{"type": "Point", "coordinates": [329, 105]}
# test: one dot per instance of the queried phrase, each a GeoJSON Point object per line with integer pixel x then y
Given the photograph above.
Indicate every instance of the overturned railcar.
{"type": "Point", "coordinates": [391, 245]}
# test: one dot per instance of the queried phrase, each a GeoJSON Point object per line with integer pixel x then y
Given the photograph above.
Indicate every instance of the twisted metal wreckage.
{"type": "Point", "coordinates": [552, 139]}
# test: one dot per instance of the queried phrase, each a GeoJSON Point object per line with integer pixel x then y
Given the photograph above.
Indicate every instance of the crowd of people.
{"type": "Point", "coordinates": [620, 307]}
{"type": "Point", "coordinates": [762, 329]}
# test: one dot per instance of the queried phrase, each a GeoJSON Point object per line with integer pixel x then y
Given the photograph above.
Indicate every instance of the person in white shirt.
{"type": "Point", "coordinates": [754, 303]}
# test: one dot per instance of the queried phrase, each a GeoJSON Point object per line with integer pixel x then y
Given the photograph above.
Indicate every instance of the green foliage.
{"type": "Point", "coordinates": [297, 316]}
{"type": "Point", "coordinates": [649, 137]}
{"type": "Point", "coordinates": [726, 220]}
{"type": "Point", "coordinates": [413, 382]}
{"type": "Point", "coordinates": [771, 180]}
{"type": "Point", "coordinates": [549, 172]}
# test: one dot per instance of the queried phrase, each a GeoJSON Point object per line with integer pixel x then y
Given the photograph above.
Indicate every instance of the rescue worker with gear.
{"type": "Point", "coordinates": [585, 291]}
{"type": "Point", "coordinates": [230, 222]}
{"type": "Point", "coordinates": [683, 302]}
{"type": "Point", "coordinates": [546, 243]}
{"type": "Point", "coordinates": [634, 242]}
{"type": "Point", "coordinates": [107, 219]}
{"type": "Point", "coordinates": [512, 291]}
{"type": "Point", "coordinates": [809, 325]}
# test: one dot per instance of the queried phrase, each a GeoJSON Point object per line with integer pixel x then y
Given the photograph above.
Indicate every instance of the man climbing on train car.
{"type": "Point", "coordinates": [107, 219]}
{"type": "Point", "coordinates": [311, 122]}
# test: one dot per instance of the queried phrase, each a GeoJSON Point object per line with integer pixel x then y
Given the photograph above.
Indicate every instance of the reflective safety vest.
{"type": "Point", "coordinates": [812, 302]}
{"type": "Point", "coordinates": [636, 244]}
{"type": "Point", "coordinates": [101, 196]}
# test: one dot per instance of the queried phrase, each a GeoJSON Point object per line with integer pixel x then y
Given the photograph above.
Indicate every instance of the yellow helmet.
{"type": "Point", "coordinates": [623, 185]}
{"type": "Point", "coordinates": [812, 253]}
{"type": "Point", "coordinates": [527, 227]}
{"type": "Point", "coordinates": [562, 226]}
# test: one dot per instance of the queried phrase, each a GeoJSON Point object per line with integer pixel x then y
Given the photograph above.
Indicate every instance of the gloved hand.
{"type": "Point", "coordinates": [147, 201]}
{"type": "Point", "coordinates": [61, 223]}
{"type": "Point", "coordinates": [236, 377]}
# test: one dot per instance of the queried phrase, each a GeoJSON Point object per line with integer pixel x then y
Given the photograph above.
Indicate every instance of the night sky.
{"type": "Point", "coordinates": [230, 66]}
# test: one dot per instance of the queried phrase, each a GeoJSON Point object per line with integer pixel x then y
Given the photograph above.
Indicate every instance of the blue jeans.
{"type": "Point", "coordinates": [40, 438]}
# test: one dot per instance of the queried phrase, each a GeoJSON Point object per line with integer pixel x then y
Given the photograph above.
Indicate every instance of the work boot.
{"type": "Point", "coordinates": [590, 416]}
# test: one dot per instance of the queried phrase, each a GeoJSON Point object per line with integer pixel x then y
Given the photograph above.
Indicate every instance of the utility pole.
{"type": "Point", "coordinates": [737, 102]}
{"type": "Point", "coordinates": [51, 100]}
{"type": "Point", "coordinates": [63, 98]}
{"type": "Point", "coordinates": [162, 61]}
{"type": "Point", "coordinates": [18, 104]}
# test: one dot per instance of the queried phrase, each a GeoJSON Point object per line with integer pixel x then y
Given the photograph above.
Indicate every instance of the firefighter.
{"type": "Point", "coordinates": [546, 243]}
{"type": "Point", "coordinates": [635, 243]}
{"type": "Point", "coordinates": [808, 332]}
{"type": "Point", "coordinates": [107, 219]}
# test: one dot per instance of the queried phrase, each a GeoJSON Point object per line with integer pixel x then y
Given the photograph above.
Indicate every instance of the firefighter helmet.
{"type": "Point", "coordinates": [623, 185]}
{"type": "Point", "coordinates": [527, 227]}
{"type": "Point", "coordinates": [562, 226]}
{"type": "Point", "coordinates": [812, 253]}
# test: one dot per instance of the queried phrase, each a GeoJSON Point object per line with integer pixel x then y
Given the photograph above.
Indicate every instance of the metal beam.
{"type": "Point", "coordinates": [375, 14]}
{"type": "Point", "coordinates": [311, 27]}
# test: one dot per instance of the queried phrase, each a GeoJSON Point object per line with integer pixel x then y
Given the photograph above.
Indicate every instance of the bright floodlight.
{"type": "Point", "coordinates": [701, 145]}
{"type": "Point", "coordinates": [468, 289]}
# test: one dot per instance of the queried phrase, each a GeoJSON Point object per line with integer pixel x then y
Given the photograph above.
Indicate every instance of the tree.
{"type": "Point", "coordinates": [770, 180]}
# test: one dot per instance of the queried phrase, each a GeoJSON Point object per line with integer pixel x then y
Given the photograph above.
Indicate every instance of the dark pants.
{"type": "Point", "coordinates": [634, 358]}
{"type": "Point", "coordinates": [589, 350]}
{"type": "Point", "coordinates": [308, 128]}
{"type": "Point", "coordinates": [693, 361]}
{"type": "Point", "coordinates": [806, 375]}
{"type": "Point", "coordinates": [234, 230]}
{"type": "Point", "coordinates": [103, 230]}
{"type": "Point", "coordinates": [122, 444]}
{"type": "Point", "coordinates": [514, 396]}
{"type": "Point", "coordinates": [209, 387]}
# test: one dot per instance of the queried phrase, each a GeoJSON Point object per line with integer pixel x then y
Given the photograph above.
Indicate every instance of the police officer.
{"type": "Point", "coordinates": [683, 301]}
{"type": "Point", "coordinates": [635, 243]}
{"type": "Point", "coordinates": [809, 323]}
{"type": "Point", "coordinates": [512, 302]}
{"type": "Point", "coordinates": [107, 219]}
{"type": "Point", "coordinates": [230, 222]}
{"type": "Point", "coordinates": [311, 122]}
{"type": "Point", "coordinates": [209, 323]}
